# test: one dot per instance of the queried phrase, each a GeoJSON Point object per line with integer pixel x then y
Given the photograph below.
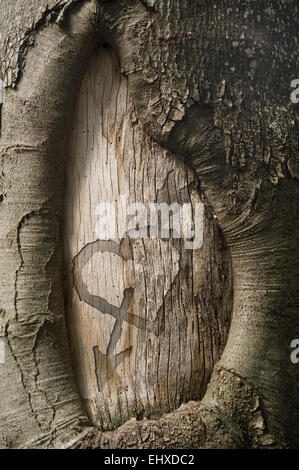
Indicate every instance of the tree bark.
{"type": "Point", "coordinates": [196, 73]}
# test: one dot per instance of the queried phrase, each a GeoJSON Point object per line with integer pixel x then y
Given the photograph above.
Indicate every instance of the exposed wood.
{"type": "Point", "coordinates": [147, 318]}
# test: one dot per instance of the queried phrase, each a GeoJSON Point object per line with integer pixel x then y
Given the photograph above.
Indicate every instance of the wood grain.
{"type": "Point", "coordinates": [147, 319]}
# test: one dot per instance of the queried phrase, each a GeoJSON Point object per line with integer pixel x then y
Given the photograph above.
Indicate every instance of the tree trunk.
{"type": "Point", "coordinates": [147, 320]}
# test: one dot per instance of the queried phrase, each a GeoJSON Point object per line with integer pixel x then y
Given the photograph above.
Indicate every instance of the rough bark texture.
{"type": "Point", "coordinates": [211, 82]}
{"type": "Point", "coordinates": [40, 405]}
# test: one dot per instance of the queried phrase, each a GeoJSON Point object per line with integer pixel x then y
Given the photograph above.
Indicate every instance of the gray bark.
{"type": "Point", "coordinates": [211, 82]}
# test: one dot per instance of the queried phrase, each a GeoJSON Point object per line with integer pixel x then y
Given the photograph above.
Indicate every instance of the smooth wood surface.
{"type": "Point", "coordinates": [147, 319]}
